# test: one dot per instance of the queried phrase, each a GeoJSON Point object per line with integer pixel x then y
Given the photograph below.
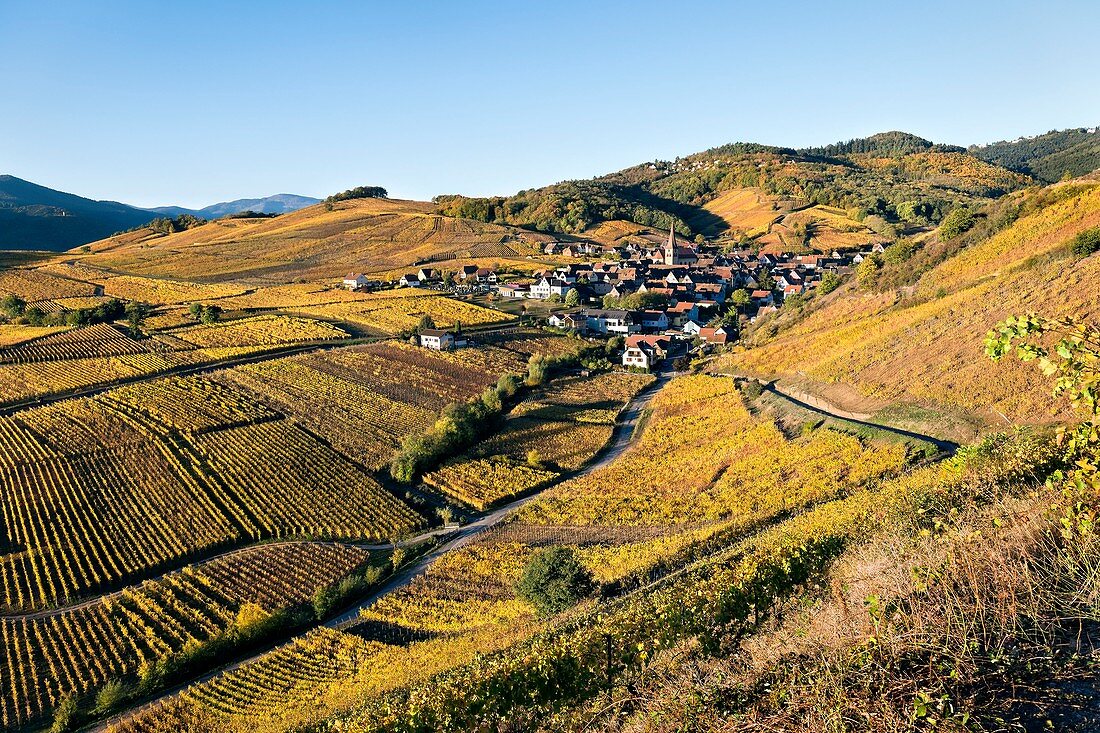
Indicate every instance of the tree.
{"type": "Point", "coordinates": [554, 580]}
{"type": "Point", "coordinates": [830, 281]}
{"type": "Point", "coordinates": [740, 298]}
{"type": "Point", "coordinates": [956, 222]}
{"type": "Point", "coordinates": [211, 314]}
{"type": "Point", "coordinates": [195, 311]}
{"type": "Point", "coordinates": [867, 273]}
{"type": "Point", "coordinates": [1086, 242]}
{"type": "Point", "coordinates": [573, 298]}
{"type": "Point", "coordinates": [1069, 351]}
{"type": "Point", "coordinates": [426, 323]}
{"type": "Point", "coordinates": [64, 716]}
{"type": "Point", "coordinates": [12, 306]}
{"type": "Point", "coordinates": [136, 313]}
{"type": "Point", "coordinates": [109, 697]}
{"type": "Point", "coordinates": [359, 192]}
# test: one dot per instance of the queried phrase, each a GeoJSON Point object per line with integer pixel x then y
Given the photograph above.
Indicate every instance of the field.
{"type": "Point", "coordinates": [745, 210]}
{"type": "Point", "coordinates": [355, 399]}
{"type": "Point", "coordinates": [402, 311]}
{"type": "Point", "coordinates": [146, 627]}
{"type": "Point", "coordinates": [463, 610]}
{"type": "Point", "coordinates": [927, 349]}
{"type": "Point", "coordinates": [258, 331]}
{"type": "Point", "coordinates": [558, 429]}
{"type": "Point", "coordinates": [317, 242]}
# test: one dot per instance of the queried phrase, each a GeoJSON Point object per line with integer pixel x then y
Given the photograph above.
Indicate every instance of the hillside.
{"type": "Point", "coordinates": [921, 346]}
{"type": "Point", "coordinates": [321, 241]}
{"type": "Point", "coordinates": [281, 203]}
{"type": "Point", "coordinates": [1047, 157]}
{"type": "Point", "coordinates": [900, 179]}
{"type": "Point", "coordinates": [36, 217]}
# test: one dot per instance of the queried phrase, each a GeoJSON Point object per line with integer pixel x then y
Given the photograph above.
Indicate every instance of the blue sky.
{"type": "Point", "coordinates": [195, 102]}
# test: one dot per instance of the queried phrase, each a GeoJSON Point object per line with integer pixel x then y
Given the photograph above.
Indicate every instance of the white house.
{"type": "Point", "coordinates": [356, 280]}
{"type": "Point", "coordinates": [431, 338]}
{"type": "Point", "coordinates": [612, 321]}
{"type": "Point", "coordinates": [654, 320]}
{"type": "Point", "coordinates": [640, 356]}
{"type": "Point", "coordinates": [408, 280]}
{"type": "Point", "coordinates": [546, 288]}
{"type": "Point", "coordinates": [692, 328]}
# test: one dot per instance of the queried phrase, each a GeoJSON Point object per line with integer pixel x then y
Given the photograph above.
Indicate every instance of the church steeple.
{"type": "Point", "coordinates": [670, 248]}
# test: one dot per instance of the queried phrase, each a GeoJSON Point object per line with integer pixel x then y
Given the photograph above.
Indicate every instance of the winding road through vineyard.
{"type": "Point", "coordinates": [626, 429]}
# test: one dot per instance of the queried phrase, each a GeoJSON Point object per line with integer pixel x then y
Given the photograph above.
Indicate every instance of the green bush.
{"type": "Point", "coordinates": [64, 716]}
{"type": "Point", "coordinates": [956, 222]}
{"type": "Point", "coordinates": [554, 580]}
{"type": "Point", "coordinates": [1086, 242]}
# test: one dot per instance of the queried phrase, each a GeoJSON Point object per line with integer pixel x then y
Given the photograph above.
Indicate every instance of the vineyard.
{"type": "Point", "coordinates": [259, 331]}
{"type": "Point", "coordinates": [393, 315]}
{"type": "Point", "coordinates": [676, 471]}
{"type": "Point", "coordinates": [70, 653]}
{"type": "Point", "coordinates": [38, 378]}
{"type": "Point", "coordinates": [364, 400]}
{"type": "Point", "coordinates": [36, 285]}
{"type": "Point", "coordinates": [101, 490]}
{"type": "Point", "coordinates": [100, 340]}
{"type": "Point", "coordinates": [558, 429]}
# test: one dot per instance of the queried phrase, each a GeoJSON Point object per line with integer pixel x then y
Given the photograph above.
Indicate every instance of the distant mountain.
{"type": "Point", "coordinates": [280, 203]}
{"type": "Point", "coordinates": [1047, 157]}
{"type": "Point", "coordinates": [36, 217]}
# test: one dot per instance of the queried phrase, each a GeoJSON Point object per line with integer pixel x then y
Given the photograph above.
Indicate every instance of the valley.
{"type": "Point", "coordinates": [302, 472]}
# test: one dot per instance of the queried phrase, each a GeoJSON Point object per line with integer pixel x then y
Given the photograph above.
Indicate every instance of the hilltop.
{"type": "Point", "coordinates": [1048, 157]}
{"type": "Point", "coordinates": [884, 182]}
{"type": "Point", "coordinates": [322, 241]}
{"type": "Point", "coordinates": [38, 218]}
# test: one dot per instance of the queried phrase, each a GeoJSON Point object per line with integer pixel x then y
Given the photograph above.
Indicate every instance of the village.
{"type": "Point", "coordinates": [663, 301]}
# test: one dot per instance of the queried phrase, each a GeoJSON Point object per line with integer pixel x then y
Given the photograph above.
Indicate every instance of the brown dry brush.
{"type": "Point", "coordinates": [975, 626]}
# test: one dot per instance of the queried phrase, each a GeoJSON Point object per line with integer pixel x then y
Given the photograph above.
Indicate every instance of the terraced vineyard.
{"type": "Point", "coordinates": [146, 630]}
{"type": "Point", "coordinates": [366, 399]}
{"type": "Point", "coordinates": [699, 434]}
{"type": "Point", "coordinates": [143, 477]}
{"type": "Point", "coordinates": [557, 430]}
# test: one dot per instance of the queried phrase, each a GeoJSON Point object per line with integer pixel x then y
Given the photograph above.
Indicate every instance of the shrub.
{"type": "Point", "coordinates": [110, 697]}
{"type": "Point", "coordinates": [554, 580]}
{"type": "Point", "coordinates": [64, 717]}
{"type": "Point", "coordinates": [1086, 242]}
{"type": "Point", "coordinates": [956, 222]}
{"type": "Point", "coordinates": [12, 306]}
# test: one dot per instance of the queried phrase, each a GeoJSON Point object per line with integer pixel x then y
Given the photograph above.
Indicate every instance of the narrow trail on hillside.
{"type": "Point", "coordinates": [946, 446]}
{"type": "Point", "coordinates": [621, 439]}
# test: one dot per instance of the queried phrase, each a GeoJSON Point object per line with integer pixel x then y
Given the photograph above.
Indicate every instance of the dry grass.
{"type": "Point", "coordinates": [315, 242]}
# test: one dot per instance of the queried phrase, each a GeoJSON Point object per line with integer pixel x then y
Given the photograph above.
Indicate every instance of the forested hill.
{"type": "Point", "coordinates": [1047, 157]}
{"type": "Point", "coordinates": [898, 177]}
{"type": "Point", "coordinates": [36, 217]}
